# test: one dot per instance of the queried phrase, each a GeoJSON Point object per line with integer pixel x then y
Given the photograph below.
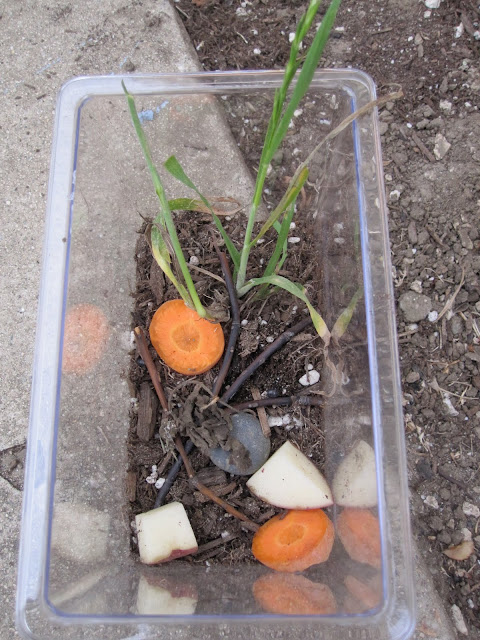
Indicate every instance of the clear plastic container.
{"type": "Point", "coordinates": [77, 575]}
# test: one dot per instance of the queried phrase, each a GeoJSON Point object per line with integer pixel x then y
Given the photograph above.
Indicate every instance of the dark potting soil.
{"type": "Point", "coordinates": [263, 320]}
{"type": "Point", "coordinates": [151, 448]}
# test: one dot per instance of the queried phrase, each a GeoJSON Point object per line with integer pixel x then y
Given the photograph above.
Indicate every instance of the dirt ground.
{"type": "Point", "coordinates": [431, 152]}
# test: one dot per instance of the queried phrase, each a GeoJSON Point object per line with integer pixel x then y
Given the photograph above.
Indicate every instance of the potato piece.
{"type": "Point", "coordinates": [290, 480]}
{"type": "Point", "coordinates": [165, 598]}
{"type": "Point", "coordinates": [355, 481]}
{"type": "Point", "coordinates": [164, 534]}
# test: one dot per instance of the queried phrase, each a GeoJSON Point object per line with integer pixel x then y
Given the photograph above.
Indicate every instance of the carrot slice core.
{"type": "Point", "coordinates": [294, 542]}
{"type": "Point", "coordinates": [186, 342]}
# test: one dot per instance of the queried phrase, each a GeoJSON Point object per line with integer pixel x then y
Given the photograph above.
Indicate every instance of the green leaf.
{"type": "Point", "coordinates": [175, 168]}
{"type": "Point", "coordinates": [162, 256]}
{"type": "Point", "coordinates": [306, 74]}
{"type": "Point", "coordinates": [298, 292]}
{"type": "Point", "coordinates": [165, 213]}
{"type": "Point", "coordinates": [289, 198]}
{"type": "Point", "coordinates": [344, 318]}
{"type": "Point", "coordinates": [279, 254]}
{"type": "Point", "coordinates": [281, 244]}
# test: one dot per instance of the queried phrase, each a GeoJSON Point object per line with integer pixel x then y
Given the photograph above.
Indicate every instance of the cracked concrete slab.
{"type": "Point", "coordinates": [38, 55]}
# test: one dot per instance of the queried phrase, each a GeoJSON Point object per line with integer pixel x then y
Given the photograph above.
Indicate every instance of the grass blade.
{"type": "Point", "coordinates": [174, 167]}
{"type": "Point", "coordinates": [166, 214]}
{"type": "Point", "coordinates": [279, 254]}
{"type": "Point", "coordinates": [289, 197]}
{"type": "Point", "coordinates": [306, 74]}
{"type": "Point", "coordinates": [344, 318]}
{"type": "Point", "coordinates": [298, 292]}
{"type": "Point", "coordinates": [162, 256]}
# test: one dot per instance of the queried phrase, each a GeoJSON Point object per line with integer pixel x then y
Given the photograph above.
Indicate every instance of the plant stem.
{"type": "Point", "coordinates": [235, 328]}
{"type": "Point", "coordinates": [208, 493]}
{"type": "Point", "coordinates": [285, 337]}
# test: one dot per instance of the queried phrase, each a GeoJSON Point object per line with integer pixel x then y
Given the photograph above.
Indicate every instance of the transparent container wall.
{"type": "Point", "coordinates": [84, 573]}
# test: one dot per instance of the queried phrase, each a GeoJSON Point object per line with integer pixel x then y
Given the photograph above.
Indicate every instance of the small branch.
{"type": "Point", "coordinates": [152, 370]}
{"type": "Point", "coordinates": [426, 152]}
{"type": "Point", "coordinates": [208, 493]}
{"type": "Point", "coordinates": [281, 401]}
{"type": "Point", "coordinates": [285, 337]}
{"type": "Point", "coordinates": [172, 474]}
{"type": "Point", "coordinates": [261, 413]}
{"type": "Point", "coordinates": [235, 328]}
{"type": "Point", "coordinates": [451, 300]}
{"type": "Point", "coordinates": [215, 543]}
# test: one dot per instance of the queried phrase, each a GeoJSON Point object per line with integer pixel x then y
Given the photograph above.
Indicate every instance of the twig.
{"type": "Point", "coordinates": [451, 300]}
{"type": "Point", "coordinates": [262, 414]}
{"type": "Point", "coordinates": [172, 474]}
{"type": "Point", "coordinates": [426, 152]}
{"type": "Point", "coordinates": [215, 543]}
{"type": "Point", "coordinates": [208, 493]}
{"type": "Point", "coordinates": [235, 328]}
{"type": "Point", "coordinates": [453, 480]}
{"type": "Point", "coordinates": [281, 401]}
{"type": "Point", "coordinates": [377, 33]}
{"type": "Point", "coordinates": [164, 464]}
{"type": "Point", "coordinates": [152, 370]}
{"type": "Point", "coordinates": [262, 357]}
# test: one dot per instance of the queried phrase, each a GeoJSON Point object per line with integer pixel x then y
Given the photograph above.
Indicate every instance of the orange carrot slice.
{"type": "Point", "coordinates": [359, 531]}
{"type": "Point", "coordinates": [293, 595]}
{"type": "Point", "coordinates": [366, 594]}
{"type": "Point", "coordinates": [294, 542]}
{"type": "Point", "coordinates": [186, 343]}
{"type": "Point", "coordinates": [85, 337]}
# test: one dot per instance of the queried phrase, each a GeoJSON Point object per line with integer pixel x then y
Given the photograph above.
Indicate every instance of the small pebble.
{"type": "Point", "coordinates": [458, 620]}
{"type": "Point", "coordinates": [431, 501]}
{"type": "Point", "coordinates": [294, 239]}
{"type": "Point", "coordinates": [470, 509]}
{"type": "Point", "coordinates": [412, 377]}
{"type": "Point", "coordinates": [433, 316]}
{"type": "Point", "coordinates": [247, 430]}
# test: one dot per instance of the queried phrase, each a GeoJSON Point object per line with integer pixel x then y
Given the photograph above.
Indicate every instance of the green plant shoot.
{"type": "Point", "coordinates": [163, 237]}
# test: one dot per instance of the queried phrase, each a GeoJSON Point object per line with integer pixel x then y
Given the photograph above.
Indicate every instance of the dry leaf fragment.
{"type": "Point", "coordinates": [461, 552]}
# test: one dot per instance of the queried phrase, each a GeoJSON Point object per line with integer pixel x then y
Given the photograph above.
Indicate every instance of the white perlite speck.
{"type": "Point", "coordinates": [312, 377]}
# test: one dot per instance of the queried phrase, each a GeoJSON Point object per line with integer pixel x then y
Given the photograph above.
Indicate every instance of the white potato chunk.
{"type": "Point", "coordinates": [355, 482]}
{"type": "Point", "coordinates": [165, 599]}
{"type": "Point", "coordinates": [290, 480]}
{"type": "Point", "coordinates": [164, 534]}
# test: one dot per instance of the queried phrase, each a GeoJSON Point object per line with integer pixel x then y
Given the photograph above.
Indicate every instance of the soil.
{"type": "Point", "coordinates": [150, 438]}
{"type": "Point", "coordinates": [431, 152]}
